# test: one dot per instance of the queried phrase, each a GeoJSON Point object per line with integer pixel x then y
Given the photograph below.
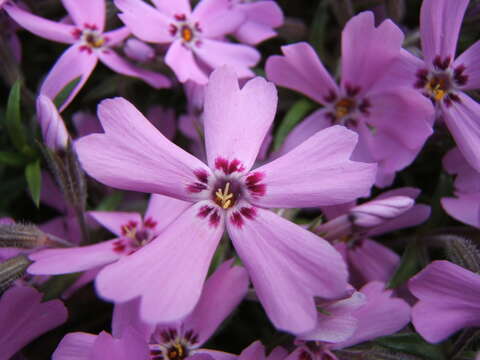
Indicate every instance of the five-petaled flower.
{"type": "Point", "coordinates": [288, 265]}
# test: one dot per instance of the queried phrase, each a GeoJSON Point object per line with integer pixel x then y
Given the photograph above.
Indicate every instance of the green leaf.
{"type": "Point", "coordinates": [111, 202]}
{"type": "Point", "coordinates": [409, 266]}
{"type": "Point", "coordinates": [298, 111]}
{"type": "Point", "coordinates": [12, 159]}
{"type": "Point", "coordinates": [412, 343]}
{"type": "Point", "coordinates": [13, 119]}
{"type": "Point", "coordinates": [55, 286]}
{"type": "Point", "coordinates": [34, 180]}
{"type": "Point", "coordinates": [63, 95]}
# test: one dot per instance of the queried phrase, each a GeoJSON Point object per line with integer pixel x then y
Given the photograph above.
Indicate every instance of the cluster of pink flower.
{"type": "Point", "coordinates": [325, 283]}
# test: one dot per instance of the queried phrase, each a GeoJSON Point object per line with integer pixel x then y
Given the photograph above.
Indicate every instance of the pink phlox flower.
{"type": "Point", "coordinates": [350, 228]}
{"type": "Point", "coordinates": [465, 206]}
{"type": "Point", "coordinates": [23, 317]}
{"type": "Point", "coordinates": [222, 293]}
{"type": "Point", "coordinates": [363, 102]}
{"type": "Point", "coordinates": [195, 36]}
{"type": "Point", "coordinates": [447, 300]}
{"type": "Point", "coordinates": [226, 194]}
{"type": "Point", "coordinates": [132, 233]}
{"type": "Point", "coordinates": [90, 43]}
{"type": "Point", "coordinates": [443, 78]}
{"type": "Point", "coordinates": [261, 18]}
{"type": "Point", "coordinates": [370, 313]}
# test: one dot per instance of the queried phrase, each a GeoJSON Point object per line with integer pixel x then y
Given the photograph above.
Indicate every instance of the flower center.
{"type": "Point", "coordinates": [438, 86]}
{"type": "Point", "coordinates": [224, 197]}
{"type": "Point", "coordinates": [186, 33]}
{"type": "Point", "coordinates": [344, 107]}
{"type": "Point", "coordinates": [94, 40]}
{"type": "Point", "coordinates": [177, 351]}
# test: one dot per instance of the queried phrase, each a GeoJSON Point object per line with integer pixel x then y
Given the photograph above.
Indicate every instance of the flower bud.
{"type": "Point", "coordinates": [12, 269]}
{"type": "Point", "coordinates": [54, 132]}
{"type": "Point", "coordinates": [25, 236]}
{"type": "Point", "coordinates": [138, 50]}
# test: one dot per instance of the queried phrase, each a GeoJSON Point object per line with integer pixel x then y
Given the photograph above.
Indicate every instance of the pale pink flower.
{"type": "Point", "coordinates": [227, 194]}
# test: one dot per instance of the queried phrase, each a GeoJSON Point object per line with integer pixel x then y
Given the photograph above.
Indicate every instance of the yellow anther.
{"type": "Point", "coordinates": [437, 88]}
{"type": "Point", "coordinates": [187, 34]}
{"type": "Point", "coordinates": [438, 93]}
{"type": "Point", "coordinates": [344, 107]}
{"type": "Point", "coordinates": [99, 41]}
{"type": "Point", "coordinates": [224, 196]}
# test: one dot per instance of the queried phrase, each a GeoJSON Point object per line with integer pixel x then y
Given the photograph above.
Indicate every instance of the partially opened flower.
{"type": "Point", "coordinates": [363, 102]}
{"type": "Point", "coordinates": [54, 132]}
{"type": "Point", "coordinates": [444, 79]}
{"type": "Point", "coordinates": [351, 229]}
{"type": "Point", "coordinates": [227, 194]}
{"type": "Point", "coordinates": [194, 35]}
{"type": "Point", "coordinates": [222, 293]}
{"type": "Point", "coordinates": [90, 43]}
{"type": "Point", "coordinates": [23, 317]}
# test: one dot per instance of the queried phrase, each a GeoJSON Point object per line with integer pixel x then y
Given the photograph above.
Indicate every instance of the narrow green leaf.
{"type": "Point", "coordinates": [63, 95]}
{"type": "Point", "coordinates": [55, 286]}
{"type": "Point", "coordinates": [111, 202]}
{"type": "Point", "coordinates": [12, 159]}
{"type": "Point", "coordinates": [412, 343]}
{"type": "Point", "coordinates": [409, 266]}
{"type": "Point", "coordinates": [34, 180]}
{"type": "Point", "coordinates": [298, 111]}
{"type": "Point", "coordinates": [13, 119]}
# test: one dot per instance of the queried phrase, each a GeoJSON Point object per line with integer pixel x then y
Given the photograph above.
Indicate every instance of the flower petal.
{"type": "Point", "coordinates": [381, 315]}
{"type": "Point", "coordinates": [367, 51]}
{"type": "Point", "coordinates": [48, 29]}
{"type": "Point", "coordinates": [216, 20]}
{"type": "Point", "coordinates": [23, 318]}
{"type": "Point", "coordinates": [122, 66]}
{"type": "Point", "coordinates": [221, 294]}
{"type": "Point", "coordinates": [70, 260]}
{"type": "Point", "coordinates": [127, 315]}
{"type": "Point", "coordinates": [464, 124]}
{"type": "Point", "coordinates": [216, 53]}
{"type": "Point", "coordinates": [54, 132]}
{"type": "Point", "coordinates": [339, 324]}
{"type": "Point", "coordinates": [174, 264]}
{"type": "Point", "coordinates": [91, 12]}
{"type": "Point", "coordinates": [181, 61]}
{"type": "Point", "coordinates": [440, 22]}
{"type": "Point", "coordinates": [470, 58]}
{"type": "Point", "coordinates": [448, 300]}
{"type": "Point", "coordinates": [322, 172]}
{"type": "Point", "coordinates": [465, 208]}
{"type": "Point", "coordinates": [75, 346]}
{"type": "Point", "coordinates": [154, 25]}
{"type": "Point", "coordinates": [164, 210]}
{"type": "Point", "coordinates": [173, 7]}
{"type": "Point", "coordinates": [300, 69]}
{"type": "Point", "coordinates": [133, 155]}
{"type": "Point", "coordinates": [372, 261]}
{"type": "Point", "coordinates": [236, 121]}
{"type": "Point", "coordinates": [73, 63]}
{"type": "Point", "coordinates": [116, 36]}
{"type": "Point", "coordinates": [288, 266]}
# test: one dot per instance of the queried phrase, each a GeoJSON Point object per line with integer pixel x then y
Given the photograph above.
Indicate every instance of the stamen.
{"type": "Point", "coordinates": [225, 197]}
{"type": "Point", "coordinates": [187, 33]}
